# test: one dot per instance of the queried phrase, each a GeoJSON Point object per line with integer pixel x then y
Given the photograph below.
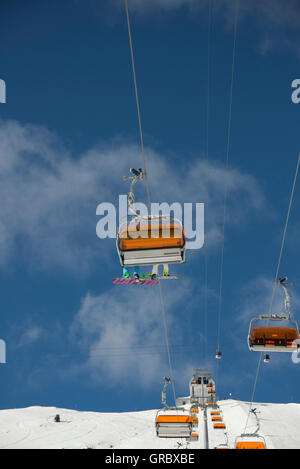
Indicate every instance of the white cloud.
{"type": "Point", "coordinates": [275, 13]}
{"type": "Point", "coordinates": [144, 6]}
{"type": "Point", "coordinates": [31, 335]}
{"type": "Point", "coordinates": [49, 197]}
{"type": "Point", "coordinates": [277, 21]}
{"type": "Point", "coordinates": [123, 332]}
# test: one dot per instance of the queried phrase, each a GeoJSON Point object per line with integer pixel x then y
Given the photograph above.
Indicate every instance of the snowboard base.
{"type": "Point", "coordinates": [142, 281]}
{"type": "Point", "coordinates": [132, 281]}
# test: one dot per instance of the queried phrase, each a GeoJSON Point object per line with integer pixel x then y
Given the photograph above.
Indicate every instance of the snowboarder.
{"type": "Point", "coordinates": [154, 273]}
{"type": "Point", "coordinates": [136, 272]}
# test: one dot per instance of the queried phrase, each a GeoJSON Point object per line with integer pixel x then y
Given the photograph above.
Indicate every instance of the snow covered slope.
{"type": "Point", "coordinates": [34, 427]}
{"type": "Point", "coordinates": [279, 423]}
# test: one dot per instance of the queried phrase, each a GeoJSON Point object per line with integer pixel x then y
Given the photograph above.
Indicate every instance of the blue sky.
{"type": "Point", "coordinates": [69, 133]}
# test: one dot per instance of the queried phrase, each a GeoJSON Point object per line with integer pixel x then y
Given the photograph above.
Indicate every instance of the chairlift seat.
{"type": "Point", "coordinates": [173, 423]}
{"type": "Point", "coordinates": [273, 338]}
{"type": "Point", "coordinates": [219, 426]}
{"type": "Point", "coordinates": [150, 241]}
{"type": "Point", "coordinates": [249, 441]}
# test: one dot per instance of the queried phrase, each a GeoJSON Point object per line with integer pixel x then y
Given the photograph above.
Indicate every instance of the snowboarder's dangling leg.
{"type": "Point", "coordinates": [137, 272]}
{"type": "Point", "coordinates": [154, 273]}
{"type": "Point", "coordinates": [126, 273]}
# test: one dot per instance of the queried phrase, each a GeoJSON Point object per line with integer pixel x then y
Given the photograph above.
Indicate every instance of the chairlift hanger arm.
{"type": "Point", "coordinates": [254, 411]}
{"type": "Point", "coordinates": [164, 392]}
{"type": "Point", "coordinates": [287, 301]}
{"type": "Point", "coordinates": [137, 175]}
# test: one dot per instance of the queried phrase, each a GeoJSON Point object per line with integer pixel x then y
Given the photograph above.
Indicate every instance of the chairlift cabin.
{"type": "Point", "coordinates": [212, 404]}
{"type": "Point", "coordinates": [250, 441]}
{"type": "Point", "coordinates": [216, 418]}
{"type": "Point", "coordinates": [194, 436]}
{"type": "Point", "coordinates": [194, 409]}
{"type": "Point", "coordinates": [173, 423]}
{"type": "Point", "coordinates": [151, 240]}
{"type": "Point", "coordinates": [273, 334]}
{"type": "Point", "coordinates": [219, 426]}
{"type": "Point", "coordinates": [194, 420]}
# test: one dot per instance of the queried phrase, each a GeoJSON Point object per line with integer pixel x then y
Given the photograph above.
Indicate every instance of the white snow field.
{"type": "Point", "coordinates": [34, 427]}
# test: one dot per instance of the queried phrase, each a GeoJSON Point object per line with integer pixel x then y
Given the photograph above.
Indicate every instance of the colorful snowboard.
{"type": "Point", "coordinates": [132, 281]}
{"type": "Point", "coordinates": [142, 281]}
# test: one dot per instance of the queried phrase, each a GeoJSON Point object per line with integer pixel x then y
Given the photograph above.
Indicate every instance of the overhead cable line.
{"type": "Point", "coordinates": [226, 168]}
{"type": "Point", "coordinates": [167, 341]}
{"type": "Point", "coordinates": [148, 189]}
{"type": "Point", "coordinates": [208, 73]}
{"type": "Point", "coordinates": [207, 153]}
{"type": "Point", "coordinates": [138, 105]}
